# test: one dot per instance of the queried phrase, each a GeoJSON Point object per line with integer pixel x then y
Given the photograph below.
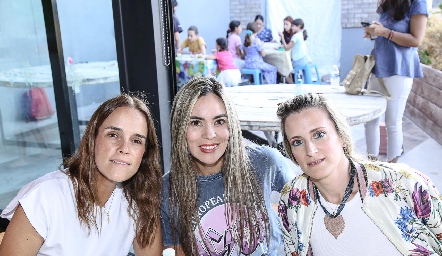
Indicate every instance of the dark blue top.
{"type": "Point", "coordinates": [391, 58]}
{"type": "Point", "coordinates": [265, 35]}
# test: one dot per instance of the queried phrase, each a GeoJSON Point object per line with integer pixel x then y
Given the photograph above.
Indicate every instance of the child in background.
{"type": "Point", "coordinates": [254, 53]}
{"type": "Point", "coordinates": [195, 43]}
{"type": "Point", "coordinates": [297, 44]}
{"type": "Point", "coordinates": [229, 74]}
{"type": "Point", "coordinates": [234, 43]}
{"type": "Point", "coordinates": [288, 32]}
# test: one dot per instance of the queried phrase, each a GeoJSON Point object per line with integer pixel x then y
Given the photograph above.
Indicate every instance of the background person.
{"type": "Point", "coordinates": [297, 44]}
{"type": "Point", "coordinates": [218, 188]}
{"type": "Point", "coordinates": [264, 33]}
{"type": "Point", "coordinates": [229, 74]}
{"type": "Point", "coordinates": [177, 29]}
{"type": "Point", "coordinates": [344, 206]}
{"type": "Point", "coordinates": [287, 32]}
{"type": "Point", "coordinates": [399, 31]}
{"type": "Point", "coordinates": [253, 51]}
{"type": "Point", "coordinates": [235, 44]}
{"type": "Point", "coordinates": [106, 198]}
{"type": "Point", "coordinates": [195, 43]}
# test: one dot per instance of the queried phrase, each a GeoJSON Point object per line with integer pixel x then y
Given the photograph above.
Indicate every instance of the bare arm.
{"type": "Point", "coordinates": [177, 248]}
{"type": "Point", "coordinates": [418, 23]}
{"type": "Point", "coordinates": [156, 248]}
{"type": "Point", "coordinates": [239, 51]}
{"type": "Point", "coordinates": [203, 49]}
{"type": "Point", "coordinates": [210, 57]}
{"type": "Point", "coordinates": [286, 46]}
{"type": "Point", "coordinates": [20, 238]}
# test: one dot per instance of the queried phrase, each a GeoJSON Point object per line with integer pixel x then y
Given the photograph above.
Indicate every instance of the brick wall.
{"type": "Point", "coordinates": [245, 10]}
{"type": "Point", "coordinates": [424, 106]}
{"type": "Point", "coordinates": [355, 11]}
{"type": "Point", "coordinates": [352, 11]}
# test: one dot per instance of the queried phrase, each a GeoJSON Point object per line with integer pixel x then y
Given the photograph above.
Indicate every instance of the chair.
{"type": "Point", "coordinates": [307, 76]}
{"type": "Point", "coordinates": [257, 75]}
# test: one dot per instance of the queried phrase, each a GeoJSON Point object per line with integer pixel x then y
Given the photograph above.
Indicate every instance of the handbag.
{"type": "Point", "coordinates": [359, 74]}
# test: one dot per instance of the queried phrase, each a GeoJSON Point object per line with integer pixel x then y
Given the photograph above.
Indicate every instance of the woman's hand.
{"type": "Point", "coordinates": [377, 29]}
{"type": "Point", "coordinates": [281, 35]}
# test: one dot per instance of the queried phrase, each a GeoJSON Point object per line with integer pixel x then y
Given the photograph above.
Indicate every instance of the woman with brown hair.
{"type": "Point", "coordinates": [217, 193]}
{"type": "Point", "coordinates": [287, 33]}
{"type": "Point", "coordinates": [105, 197]}
{"type": "Point", "coordinates": [399, 31]}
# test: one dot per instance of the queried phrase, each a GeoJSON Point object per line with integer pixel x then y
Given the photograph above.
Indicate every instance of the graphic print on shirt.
{"type": "Point", "coordinates": [217, 235]}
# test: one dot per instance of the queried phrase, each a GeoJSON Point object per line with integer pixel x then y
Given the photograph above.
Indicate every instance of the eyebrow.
{"type": "Point", "coordinates": [216, 117]}
{"type": "Point", "coordinates": [121, 130]}
{"type": "Point", "coordinates": [311, 131]}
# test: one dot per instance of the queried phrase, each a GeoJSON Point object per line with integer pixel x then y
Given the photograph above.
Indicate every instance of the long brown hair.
{"type": "Point", "coordinates": [396, 9]}
{"type": "Point", "coordinates": [142, 190]}
{"type": "Point", "coordinates": [301, 102]}
{"type": "Point", "coordinates": [288, 34]}
{"type": "Point", "coordinates": [252, 27]}
{"type": "Point", "coordinates": [300, 22]}
{"type": "Point", "coordinates": [242, 193]}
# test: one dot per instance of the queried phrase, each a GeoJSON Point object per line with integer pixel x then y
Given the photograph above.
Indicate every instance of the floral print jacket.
{"type": "Point", "coordinates": [401, 201]}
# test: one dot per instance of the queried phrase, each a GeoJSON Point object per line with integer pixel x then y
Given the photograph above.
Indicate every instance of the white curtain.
{"type": "Point", "coordinates": [322, 21]}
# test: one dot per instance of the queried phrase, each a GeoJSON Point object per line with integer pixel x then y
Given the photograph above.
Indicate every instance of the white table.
{"type": "Point", "coordinates": [77, 74]}
{"type": "Point", "coordinates": [256, 105]}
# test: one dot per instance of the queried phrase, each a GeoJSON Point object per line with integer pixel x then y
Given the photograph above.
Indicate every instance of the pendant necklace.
{"type": "Point", "coordinates": [335, 223]}
{"type": "Point", "coordinates": [110, 205]}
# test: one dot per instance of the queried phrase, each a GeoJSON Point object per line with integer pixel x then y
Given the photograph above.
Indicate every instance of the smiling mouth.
{"type": "Point", "coordinates": [314, 163]}
{"type": "Point", "coordinates": [119, 162]}
{"type": "Point", "coordinates": [208, 148]}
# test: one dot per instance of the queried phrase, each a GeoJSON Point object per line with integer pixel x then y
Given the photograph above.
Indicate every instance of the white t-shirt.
{"type": "Point", "coordinates": [49, 203]}
{"type": "Point", "coordinates": [299, 50]}
{"type": "Point", "coordinates": [360, 236]}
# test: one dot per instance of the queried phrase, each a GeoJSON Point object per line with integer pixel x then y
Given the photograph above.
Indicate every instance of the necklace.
{"type": "Point", "coordinates": [110, 205]}
{"type": "Point", "coordinates": [335, 223]}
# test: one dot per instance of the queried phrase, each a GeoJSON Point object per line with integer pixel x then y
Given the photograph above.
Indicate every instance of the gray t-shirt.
{"type": "Point", "coordinates": [391, 58]}
{"type": "Point", "coordinates": [272, 170]}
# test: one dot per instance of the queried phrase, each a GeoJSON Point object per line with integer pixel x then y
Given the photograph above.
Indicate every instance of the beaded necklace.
{"type": "Point", "coordinates": [335, 223]}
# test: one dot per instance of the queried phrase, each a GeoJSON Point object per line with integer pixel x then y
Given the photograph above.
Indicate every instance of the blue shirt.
{"type": "Point", "coordinates": [265, 35]}
{"type": "Point", "coordinates": [272, 171]}
{"type": "Point", "coordinates": [391, 58]}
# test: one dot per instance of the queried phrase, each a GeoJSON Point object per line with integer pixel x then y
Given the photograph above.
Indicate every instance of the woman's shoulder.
{"type": "Point", "coordinates": [299, 183]}
{"type": "Point", "coordinates": [50, 185]}
{"type": "Point", "coordinates": [394, 172]}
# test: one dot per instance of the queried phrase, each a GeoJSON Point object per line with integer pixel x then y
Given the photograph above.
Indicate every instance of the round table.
{"type": "Point", "coordinates": [256, 105]}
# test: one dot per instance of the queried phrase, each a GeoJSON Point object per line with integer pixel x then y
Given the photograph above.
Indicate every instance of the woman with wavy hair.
{"type": "Point", "coordinates": [103, 199]}
{"type": "Point", "coordinates": [343, 205]}
{"type": "Point", "coordinates": [218, 190]}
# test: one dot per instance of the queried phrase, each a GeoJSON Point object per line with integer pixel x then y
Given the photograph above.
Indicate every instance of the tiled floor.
{"type": "Point", "coordinates": [420, 150]}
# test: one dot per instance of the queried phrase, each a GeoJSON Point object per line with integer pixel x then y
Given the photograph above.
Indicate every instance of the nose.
{"type": "Point", "coordinates": [123, 147]}
{"type": "Point", "coordinates": [310, 148]}
{"type": "Point", "coordinates": [209, 132]}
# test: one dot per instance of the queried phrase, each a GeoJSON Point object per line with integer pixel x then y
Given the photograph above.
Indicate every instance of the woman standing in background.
{"type": "Point", "coordinates": [399, 31]}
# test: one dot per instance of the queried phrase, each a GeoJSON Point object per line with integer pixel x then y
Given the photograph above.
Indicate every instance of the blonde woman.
{"type": "Point", "coordinates": [344, 206]}
{"type": "Point", "coordinates": [217, 193]}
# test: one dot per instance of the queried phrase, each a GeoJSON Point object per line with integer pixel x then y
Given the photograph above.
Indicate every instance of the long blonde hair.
{"type": "Point", "coordinates": [243, 196]}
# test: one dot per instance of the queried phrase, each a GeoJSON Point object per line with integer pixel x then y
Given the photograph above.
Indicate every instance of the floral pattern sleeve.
{"type": "Point", "coordinates": [418, 218]}
{"type": "Point", "coordinates": [294, 208]}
